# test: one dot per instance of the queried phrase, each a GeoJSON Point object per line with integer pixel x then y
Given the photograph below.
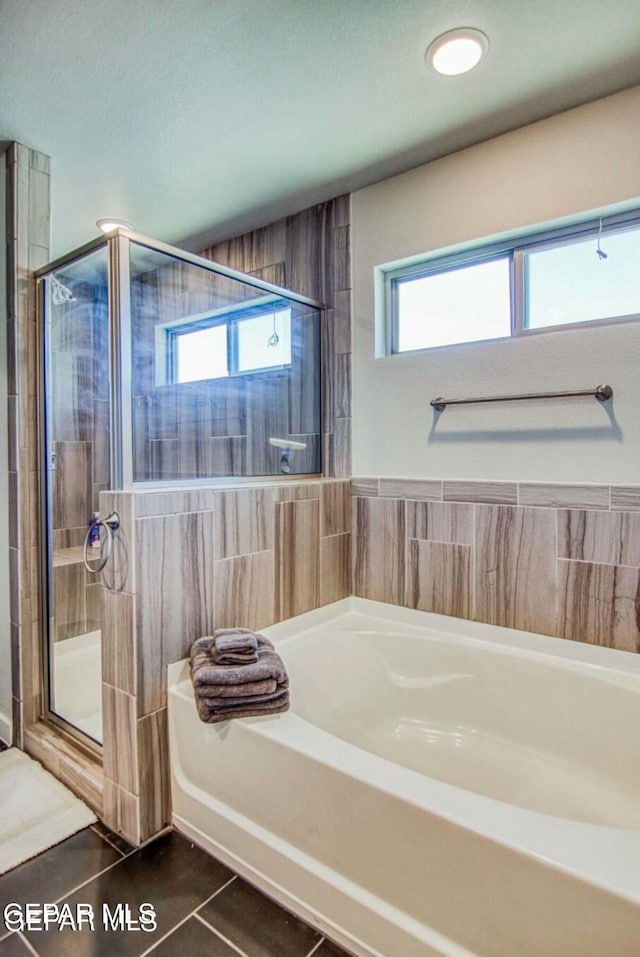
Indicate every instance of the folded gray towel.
{"type": "Point", "coordinates": [274, 705]}
{"type": "Point", "coordinates": [268, 686]}
{"type": "Point", "coordinates": [205, 673]}
{"type": "Point", "coordinates": [234, 646]}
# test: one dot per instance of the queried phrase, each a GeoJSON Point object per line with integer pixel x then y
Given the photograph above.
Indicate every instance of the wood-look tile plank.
{"type": "Point", "coordinates": [599, 604]}
{"type": "Point", "coordinates": [294, 491]}
{"type": "Point", "coordinates": [515, 573]}
{"type": "Point", "coordinates": [379, 549]}
{"type": "Point", "coordinates": [611, 538]}
{"type": "Point", "coordinates": [625, 497]}
{"type": "Point", "coordinates": [342, 448]}
{"type": "Point", "coordinates": [244, 590]}
{"type": "Point", "coordinates": [297, 557]}
{"type": "Point", "coordinates": [498, 493]}
{"type": "Point", "coordinates": [243, 522]}
{"type": "Point", "coordinates": [118, 641]}
{"type": "Point", "coordinates": [563, 496]}
{"type": "Point", "coordinates": [335, 568]}
{"type": "Point", "coordinates": [341, 317]}
{"type": "Point", "coordinates": [366, 486]}
{"type": "Point", "coordinates": [423, 489]}
{"type": "Point", "coordinates": [336, 508]}
{"type": "Point", "coordinates": [119, 729]}
{"type": "Point", "coordinates": [342, 374]}
{"type": "Point", "coordinates": [440, 521]}
{"type": "Point", "coordinates": [153, 750]}
{"type": "Point", "coordinates": [439, 578]}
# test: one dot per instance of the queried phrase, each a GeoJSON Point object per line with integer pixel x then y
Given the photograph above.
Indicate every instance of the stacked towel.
{"type": "Point", "coordinates": [234, 646]}
{"type": "Point", "coordinates": [237, 674]}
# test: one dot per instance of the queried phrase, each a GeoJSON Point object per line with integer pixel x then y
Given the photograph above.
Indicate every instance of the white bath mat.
{"type": "Point", "coordinates": [36, 810]}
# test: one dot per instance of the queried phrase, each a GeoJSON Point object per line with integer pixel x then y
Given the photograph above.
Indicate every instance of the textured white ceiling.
{"type": "Point", "coordinates": [195, 119]}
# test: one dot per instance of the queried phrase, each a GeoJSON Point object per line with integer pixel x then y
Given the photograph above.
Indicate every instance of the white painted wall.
{"type": "Point", "coordinates": [5, 614]}
{"type": "Point", "coordinates": [583, 161]}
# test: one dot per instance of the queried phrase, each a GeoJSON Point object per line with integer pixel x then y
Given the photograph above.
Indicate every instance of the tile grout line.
{"type": "Point", "coordinates": [184, 920]}
{"type": "Point", "coordinates": [107, 841]}
{"type": "Point", "coordinates": [316, 946]}
{"type": "Point", "coordinates": [220, 935]}
{"type": "Point", "coordinates": [27, 944]}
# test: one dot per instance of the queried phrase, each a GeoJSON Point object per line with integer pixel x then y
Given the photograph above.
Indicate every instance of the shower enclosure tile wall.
{"type": "Point", "coordinates": [571, 572]}
{"type": "Point", "coordinates": [309, 253]}
{"type": "Point", "coordinates": [185, 563]}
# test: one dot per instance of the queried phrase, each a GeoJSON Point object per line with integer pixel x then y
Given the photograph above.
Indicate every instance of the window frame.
{"type": "Point", "coordinates": [168, 334]}
{"type": "Point", "coordinates": [516, 250]}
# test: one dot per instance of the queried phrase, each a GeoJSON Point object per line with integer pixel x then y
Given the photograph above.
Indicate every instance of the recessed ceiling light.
{"type": "Point", "coordinates": [108, 225]}
{"type": "Point", "coordinates": [457, 51]}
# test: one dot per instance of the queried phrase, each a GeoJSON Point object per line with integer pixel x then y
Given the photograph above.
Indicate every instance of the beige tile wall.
{"type": "Point", "coordinates": [563, 560]}
{"type": "Point", "coordinates": [185, 563]}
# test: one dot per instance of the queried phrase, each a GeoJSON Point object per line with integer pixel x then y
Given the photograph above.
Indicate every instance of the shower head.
{"type": "Point", "coordinates": [60, 293]}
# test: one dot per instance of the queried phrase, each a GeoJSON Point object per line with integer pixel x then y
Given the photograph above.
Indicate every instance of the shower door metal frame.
{"type": "Point", "coordinates": [118, 245]}
{"type": "Point", "coordinates": [45, 489]}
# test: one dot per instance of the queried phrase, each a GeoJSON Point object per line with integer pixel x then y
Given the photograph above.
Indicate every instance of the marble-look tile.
{"type": "Point", "coordinates": [120, 744]}
{"type": "Point", "coordinates": [153, 750]}
{"type": "Point", "coordinates": [492, 493]}
{"type": "Point", "coordinates": [118, 640]}
{"type": "Point", "coordinates": [440, 521]}
{"type": "Point", "coordinates": [244, 591]}
{"type": "Point", "coordinates": [424, 489]}
{"type": "Point", "coordinates": [625, 497]}
{"type": "Point", "coordinates": [336, 508]}
{"type": "Point", "coordinates": [439, 578]}
{"type": "Point", "coordinates": [379, 549]}
{"type": "Point", "coordinates": [335, 568]}
{"type": "Point", "coordinates": [515, 573]}
{"type": "Point", "coordinates": [599, 604]}
{"type": "Point", "coordinates": [243, 522]}
{"type": "Point", "coordinates": [297, 557]}
{"type": "Point", "coordinates": [366, 486]}
{"type": "Point", "coordinates": [563, 496]}
{"type": "Point", "coordinates": [610, 538]}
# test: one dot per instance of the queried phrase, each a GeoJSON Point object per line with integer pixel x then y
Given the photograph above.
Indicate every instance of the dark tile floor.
{"type": "Point", "coordinates": [202, 909]}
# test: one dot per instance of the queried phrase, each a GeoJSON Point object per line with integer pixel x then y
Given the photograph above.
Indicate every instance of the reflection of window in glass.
{"type": "Point", "coordinates": [264, 341]}
{"type": "Point", "coordinates": [581, 274]}
{"type": "Point", "coordinates": [248, 339]}
{"type": "Point", "coordinates": [201, 354]}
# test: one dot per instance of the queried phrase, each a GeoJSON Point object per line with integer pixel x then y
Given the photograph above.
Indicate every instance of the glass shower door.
{"type": "Point", "coordinates": [77, 450]}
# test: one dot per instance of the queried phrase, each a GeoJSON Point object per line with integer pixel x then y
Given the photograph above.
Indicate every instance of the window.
{"type": "Point", "coordinates": [229, 342]}
{"type": "Point", "coordinates": [588, 273]}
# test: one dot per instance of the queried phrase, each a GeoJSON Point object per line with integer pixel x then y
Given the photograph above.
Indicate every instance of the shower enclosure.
{"type": "Point", "coordinates": [158, 367]}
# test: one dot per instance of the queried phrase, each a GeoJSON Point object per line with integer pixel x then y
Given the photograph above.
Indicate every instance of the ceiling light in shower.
{"type": "Point", "coordinates": [457, 51]}
{"type": "Point", "coordinates": [108, 225]}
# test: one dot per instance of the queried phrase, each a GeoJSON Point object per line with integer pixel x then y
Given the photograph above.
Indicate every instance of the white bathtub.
{"type": "Point", "coordinates": [439, 787]}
